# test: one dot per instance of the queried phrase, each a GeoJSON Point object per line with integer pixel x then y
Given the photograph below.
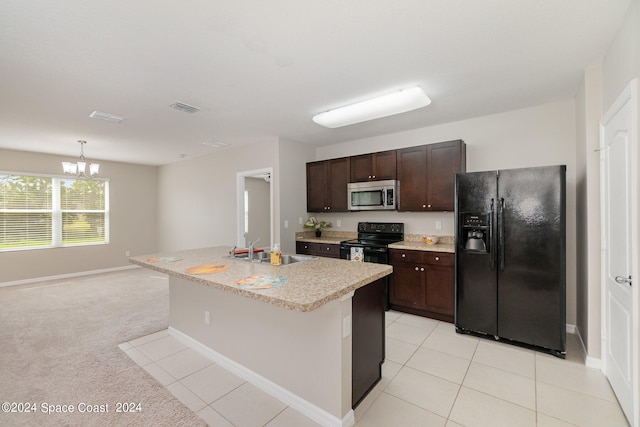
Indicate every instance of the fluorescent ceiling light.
{"type": "Point", "coordinates": [382, 106]}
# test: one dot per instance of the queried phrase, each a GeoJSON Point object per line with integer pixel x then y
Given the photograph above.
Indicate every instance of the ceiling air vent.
{"type": "Point", "coordinates": [185, 107]}
{"type": "Point", "coordinates": [106, 117]}
{"type": "Point", "coordinates": [215, 144]}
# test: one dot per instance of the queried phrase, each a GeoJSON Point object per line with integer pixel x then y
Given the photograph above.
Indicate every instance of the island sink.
{"type": "Point", "coordinates": [266, 258]}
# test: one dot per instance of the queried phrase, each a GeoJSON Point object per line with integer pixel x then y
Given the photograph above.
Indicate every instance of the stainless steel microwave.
{"type": "Point", "coordinates": [373, 195]}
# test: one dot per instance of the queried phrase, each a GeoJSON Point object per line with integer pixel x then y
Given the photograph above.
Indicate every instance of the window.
{"type": "Point", "coordinates": [48, 212]}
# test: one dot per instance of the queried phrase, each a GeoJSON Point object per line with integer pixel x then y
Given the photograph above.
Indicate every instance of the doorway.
{"type": "Point", "coordinates": [620, 300]}
{"type": "Point", "coordinates": [255, 208]}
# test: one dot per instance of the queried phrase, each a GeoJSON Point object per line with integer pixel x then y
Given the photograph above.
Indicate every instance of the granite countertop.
{"type": "Point", "coordinates": [421, 246]}
{"type": "Point", "coordinates": [309, 284]}
{"type": "Point", "coordinates": [412, 241]}
{"type": "Point", "coordinates": [328, 237]}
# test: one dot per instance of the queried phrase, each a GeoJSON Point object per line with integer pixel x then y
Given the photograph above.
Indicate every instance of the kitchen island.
{"type": "Point", "coordinates": [309, 333]}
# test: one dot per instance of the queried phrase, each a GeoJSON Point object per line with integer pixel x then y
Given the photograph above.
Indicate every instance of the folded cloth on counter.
{"type": "Point", "coordinates": [357, 254]}
{"type": "Point", "coordinates": [246, 251]}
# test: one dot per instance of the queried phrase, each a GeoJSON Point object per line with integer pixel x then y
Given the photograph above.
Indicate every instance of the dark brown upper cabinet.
{"type": "Point", "coordinates": [374, 166]}
{"type": "Point", "coordinates": [327, 185]}
{"type": "Point", "coordinates": [427, 175]}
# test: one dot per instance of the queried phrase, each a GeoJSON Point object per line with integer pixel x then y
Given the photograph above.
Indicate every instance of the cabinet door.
{"type": "Point", "coordinates": [374, 167]}
{"type": "Point", "coordinates": [317, 187]}
{"type": "Point", "coordinates": [361, 168]}
{"type": "Point", "coordinates": [444, 160]}
{"type": "Point", "coordinates": [405, 286]}
{"type": "Point", "coordinates": [439, 289]}
{"type": "Point", "coordinates": [412, 174]}
{"type": "Point", "coordinates": [339, 174]}
{"type": "Point", "coordinates": [385, 165]}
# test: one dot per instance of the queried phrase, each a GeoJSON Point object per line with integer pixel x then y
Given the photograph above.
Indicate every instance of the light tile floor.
{"type": "Point", "coordinates": [431, 377]}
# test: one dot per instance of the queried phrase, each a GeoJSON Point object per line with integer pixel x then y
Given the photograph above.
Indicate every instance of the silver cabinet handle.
{"type": "Point", "coordinates": [437, 258]}
{"type": "Point", "coordinates": [416, 268]}
{"type": "Point", "coordinates": [623, 280]}
{"type": "Point", "coordinates": [422, 269]}
{"type": "Point", "coordinates": [404, 255]}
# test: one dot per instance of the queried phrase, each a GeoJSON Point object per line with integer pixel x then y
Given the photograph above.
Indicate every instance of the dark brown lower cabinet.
{"type": "Point", "coordinates": [367, 339]}
{"type": "Point", "coordinates": [329, 250]}
{"type": "Point", "coordinates": [422, 283]}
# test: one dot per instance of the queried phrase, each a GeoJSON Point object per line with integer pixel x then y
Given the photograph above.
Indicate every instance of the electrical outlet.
{"type": "Point", "coordinates": [286, 223]}
{"type": "Point", "coordinates": [207, 318]}
{"type": "Point", "coordinates": [339, 223]}
{"type": "Point", "coordinates": [438, 225]}
{"type": "Point", "coordinates": [127, 253]}
{"type": "Point", "coordinates": [300, 220]}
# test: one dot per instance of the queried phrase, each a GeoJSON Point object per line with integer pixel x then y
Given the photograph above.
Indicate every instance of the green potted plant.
{"type": "Point", "coordinates": [318, 226]}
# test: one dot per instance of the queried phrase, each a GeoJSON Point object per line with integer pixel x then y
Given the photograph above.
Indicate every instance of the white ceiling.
{"type": "Point", "coordinates": [260, 69]}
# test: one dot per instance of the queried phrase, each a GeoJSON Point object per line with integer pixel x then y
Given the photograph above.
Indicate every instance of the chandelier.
{"type": "Point", "coordinates": [79, 168]}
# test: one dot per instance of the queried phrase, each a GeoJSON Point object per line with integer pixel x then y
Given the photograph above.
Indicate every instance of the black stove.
{"type": "Point", "coordinates": [375, 235]}
{"type": "Point", "coordinates": [373, 241]}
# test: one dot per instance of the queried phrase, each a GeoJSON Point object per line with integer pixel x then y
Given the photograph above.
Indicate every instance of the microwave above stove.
{"type": "Point", "coordinates": [373, 195]}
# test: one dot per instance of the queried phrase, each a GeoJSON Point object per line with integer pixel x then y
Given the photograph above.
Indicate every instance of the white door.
{"type": "Point", "coordinates": [618, 186]}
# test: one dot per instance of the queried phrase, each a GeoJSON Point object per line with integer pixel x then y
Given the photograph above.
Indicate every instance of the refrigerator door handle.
{"type": "Point", "coordinates": [492, 250]}
{"type": "Point", "coordinates": [501, 233]}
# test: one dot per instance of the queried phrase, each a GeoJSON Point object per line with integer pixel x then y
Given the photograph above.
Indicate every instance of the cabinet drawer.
{"type": "Point", "coordinates": [318, 249]}
{"type": "Point", "coordinates": [329, 250]}
{"type": "Point", "coordinates": [439, 258]}
{"type": "Point", "coordinates": [305, 248]}
{"type": "Point", "coordinates": [398, 255]}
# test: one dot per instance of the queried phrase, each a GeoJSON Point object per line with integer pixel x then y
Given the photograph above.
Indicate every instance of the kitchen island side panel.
{"type": "Point", "coordinates": [303, 352]}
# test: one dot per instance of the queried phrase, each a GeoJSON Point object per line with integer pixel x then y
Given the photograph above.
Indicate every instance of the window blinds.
{"type": "Point", "coordinates": [40, 211]}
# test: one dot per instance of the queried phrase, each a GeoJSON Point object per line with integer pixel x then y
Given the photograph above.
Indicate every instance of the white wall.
{"type": "Point", "coordinates": [292, 194]}
{"type": "Point", "coordinates": [600, 88]}
{"type": "Point", "coordinates": [259, 211]}
{"type": "Point", "coordinates": [536, 136]}
{"type": "Point", "coordinates": [197, 203]}
{"type": "Point", "coordinates": [588, 113]}
{"type": "Point", "coordinates": [133, 219]}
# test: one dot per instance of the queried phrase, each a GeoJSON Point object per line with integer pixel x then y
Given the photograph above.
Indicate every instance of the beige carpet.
{"type": "Point", "coordinates": [59, 346]}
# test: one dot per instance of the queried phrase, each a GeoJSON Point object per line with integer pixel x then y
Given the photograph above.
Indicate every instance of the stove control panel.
{"type": "Point", "coordinates": [380, 227]}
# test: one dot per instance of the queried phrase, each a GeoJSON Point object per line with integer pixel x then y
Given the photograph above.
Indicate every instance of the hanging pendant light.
{"type": "Point", "coordinates": [79, 168]}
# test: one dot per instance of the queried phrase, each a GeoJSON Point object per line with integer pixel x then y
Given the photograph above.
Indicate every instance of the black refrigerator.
{"type": "Point", "coordinates": [511, 256]}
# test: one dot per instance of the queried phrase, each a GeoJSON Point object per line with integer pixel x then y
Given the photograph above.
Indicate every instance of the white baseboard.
{"type": "Point", "coordinates": [303, 406]}
{"type": "Point", "coordinates": [66, 276]}
{"type": "Point", "coordinates": [589, 361]}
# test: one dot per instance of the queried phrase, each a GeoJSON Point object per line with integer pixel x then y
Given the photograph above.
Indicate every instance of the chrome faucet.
{"type": "Point", "coordinates": [233, 251]}
{"type": "Point", "coordinates": [251, 248]}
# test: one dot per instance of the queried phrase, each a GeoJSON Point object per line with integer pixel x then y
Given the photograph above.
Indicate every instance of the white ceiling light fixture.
{"type": "Point", "coordinates": [79, 168]}
{"type": "Point", "coordinates": [375, 108]}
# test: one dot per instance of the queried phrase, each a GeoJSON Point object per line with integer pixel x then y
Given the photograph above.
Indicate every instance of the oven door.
{"type": "Point", "coordinates": [377, 255]}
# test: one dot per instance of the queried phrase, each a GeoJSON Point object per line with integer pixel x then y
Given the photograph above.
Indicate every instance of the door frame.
{"type": "Point", "coordinates": [629, 95]}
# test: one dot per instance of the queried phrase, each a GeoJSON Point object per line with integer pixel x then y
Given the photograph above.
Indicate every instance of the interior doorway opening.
{"type": "Point", "coordinates": [255, 208]}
